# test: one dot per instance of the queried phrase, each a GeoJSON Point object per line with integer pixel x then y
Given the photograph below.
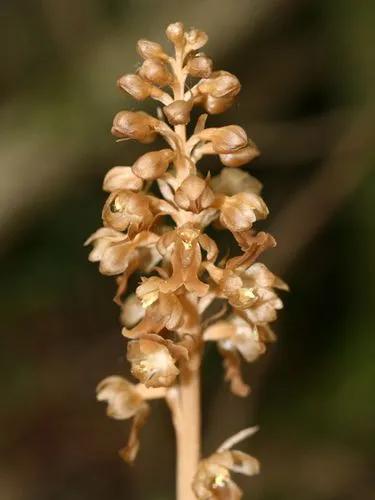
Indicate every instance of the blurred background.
{"type": "Point", "coordinates": [307, 69]}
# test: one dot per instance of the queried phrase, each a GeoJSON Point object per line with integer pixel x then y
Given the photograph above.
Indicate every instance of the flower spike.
{"type": "Point", "coordinates": [155, 223]}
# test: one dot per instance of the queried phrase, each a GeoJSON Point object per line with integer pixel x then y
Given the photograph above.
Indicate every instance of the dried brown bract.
{"type": "Point", "coordinates": [163, 238]}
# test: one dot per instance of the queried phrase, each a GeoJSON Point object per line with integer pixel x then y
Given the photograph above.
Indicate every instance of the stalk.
{"type": "Point", "coordinates": [188, 433]}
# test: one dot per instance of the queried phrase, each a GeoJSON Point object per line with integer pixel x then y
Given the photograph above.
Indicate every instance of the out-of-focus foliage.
{"type": "Point", "coordinates": [308, 102]}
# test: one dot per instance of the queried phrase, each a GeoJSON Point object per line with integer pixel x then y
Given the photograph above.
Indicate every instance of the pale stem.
{"type": "Point", "coordinates": [186, 411]}
{"type": "Point", "coordinates": [188, 427]}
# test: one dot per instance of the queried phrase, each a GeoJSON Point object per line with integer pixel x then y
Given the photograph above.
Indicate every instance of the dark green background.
{"type": "Point", "coordinates": [308, 101]}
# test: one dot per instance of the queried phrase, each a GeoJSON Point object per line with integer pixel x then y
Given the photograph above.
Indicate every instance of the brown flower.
{"type": "Point", "coordinates": [225, 140]}
{"type": "Point", "coordinates": [233, 336]}
{"type": "Point", "coordinates": [155, 71]}
{"type": "Point", "coordinates": [126, 210]}
{"type": "Point", "coordinates": [237, 333]}
{"type": "Point", "coordinates": [115, 251]}
{"type": "Point", "coordinates": [240, 211]}
{"type": "Point", "coordinates": [194, 194]}
{"type": "Point", "coordinates": [153, 360]}
{"type": "Point", "coordinates": [184, 246]}
{"type": "Point", "coordinates": [220, 84]}
{"type": "Point", "coordinates": [124, 401]}
{"type": "Point", "coordinates": [135, 125]}
{"type": "Point", "coordinates": [199, 66]}
{"type": "Point", "coordinates": [241, 156]}
{"type": "Point", "coordinates": [148, 49]}
{"type": "Point", "coordinates": [137, 87]}
{"type": "Point", "coordinates": [175, 33]}
{"type": "Point", "coordinates": [154, 164]}
{"type": "Point", "coordinates": [195, 40]}
{"type": "Point", "coordinates": [250, 289]}
{"type": "Point", "coordinates": [162, 310]}
{"type": "Point", "coordinates": [121, 178]}
{"type": "Point", "coordinates": [178, 112]}
{"type": "Point", "coordinates": [213, 480]}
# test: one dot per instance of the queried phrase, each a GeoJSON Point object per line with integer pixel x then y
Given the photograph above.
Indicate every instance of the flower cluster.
{"type": "Point", "coordinates": [154, 224]}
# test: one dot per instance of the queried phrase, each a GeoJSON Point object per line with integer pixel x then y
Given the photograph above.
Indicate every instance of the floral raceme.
{"type": "Point", "coordinates": [155, 224]}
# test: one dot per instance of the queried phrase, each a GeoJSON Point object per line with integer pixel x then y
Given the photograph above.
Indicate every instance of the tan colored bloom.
{"type": "Point", "coordinates": [115, 251]}
{"type": "Point", "coordinates": [175, 33]}
{"type": "Point", "coordinates": [220, 84]}
{"type": "Point", "coordinates": [162, 310]}
{"type": "Point", "coordinates": [213, 480]}
{"type": "Point", "coordinates": [238, 334]}
{"type": "Point", "coordinates": [195, 39]}
{"type": "Point", "coordinates": [178, 112]}
{"type": "Point", "coordinates": [137, 87]}
{"type": "Point", "coordinates": [233, 336]}
{"type": "Point", "coordinates": [154, 164]}
{"type": "Point", "coordinates": [127, 210]}
{"type": "Point", "coordinates": [240, 157]}
{"type": "Point", "coordinates": [148, 49]}
{"type": "Point", "coordinates": [121, 178]}
{"type": "Point", "coordinates": [135, 125]}
{"type": "Point", "coordinates": [156, 72]}
{"type": "Point", "coordinates": [184, 245]}
{"type": "Point", "coordinates": [225, 140]}
{"type": "Point", "coordinates": [199, 66]}
{"type": "Point", "coordinates": [124, 402]}
{"type": "Point", "coordinates": [153, 360]}
{"type": "Point", "coordinates": [194, 194]}
{"type": "Point", "coordinates": [240, 211]}
{"type": "Point", "coordinates": [250, 289]}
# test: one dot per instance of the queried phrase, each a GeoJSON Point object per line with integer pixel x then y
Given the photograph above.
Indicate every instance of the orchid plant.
{"type": "Point", "coordinates": [154, 224]}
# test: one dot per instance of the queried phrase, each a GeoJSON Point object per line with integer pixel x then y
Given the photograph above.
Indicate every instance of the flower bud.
{"type": "Point", "coordinates": [216, 105]}
{"type": "Point", "coordinates": [175, 33]}
{"type": "Point", "coordinates": [134, 125]}
{"type": "Point", "coordinates": [196, 39]}
{"type": "Point", "coordinates": [194, 194]}
{"type": "Point", "coordinates": [135, 86]}
{"type": "Point", "coordinates": [199, 66]}
{"type": "Point", "coordinates": [178, 112]}
{"type": "Point", "coordinates": [152, 165]}
{"type": "Point", "coordinates": [220, 84]}
{"type": "Point", "coordinates": [152, 363]}
{"type": "Point", "coordinates": [225, 139]}
{"type": "Point", "coordinates": [125, 208]}
{"type": "Point", "coordinates": [148, 49]}
{"type": "Point", "coordinates": [156, 72]}
{"type": "Point", "coordinates": [240, 157]}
